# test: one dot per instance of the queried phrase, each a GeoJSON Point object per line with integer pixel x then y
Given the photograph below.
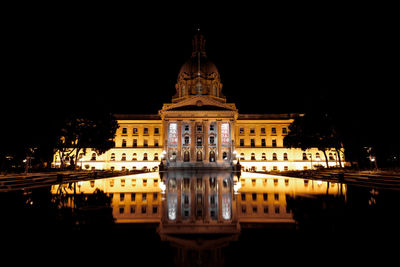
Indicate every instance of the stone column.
{"type": "Point", "coordinates": [206, 127]}
{"type": "Point", "coordinates": [219, 192]}
{"type": "Point", "coordinates": [193, 141]}
{"type": "Point", "coordinates": [179, 151]}
{"type": "Point", "coordinates": [206, 196]}
{"type": "Point", "coordinates": [219, 153]}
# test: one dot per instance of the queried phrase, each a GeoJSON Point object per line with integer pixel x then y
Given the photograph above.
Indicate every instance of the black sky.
{"type": "Point", "coordinates": [61, 61]}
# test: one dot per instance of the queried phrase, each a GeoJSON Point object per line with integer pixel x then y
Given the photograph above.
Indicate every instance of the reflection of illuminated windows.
{"type": "Point", "coordinates": [121, 210]}
{"type": "Point", "coordinates": [277, 210]}
{"type": "Point", "coordinates": [172, 206]}
{"type": "Point", "coordinates": [144, 209]}
{"type": "Point", "coordinates": [133, 208]}
{"type": "Point", "coordinates": [265, 209]}
{"type": "Point", "coordinates": [254, 209]}
{"type": "Point", "coordinates": [243, 208]}
{"type": "Point", "coordinates": [155, 209]}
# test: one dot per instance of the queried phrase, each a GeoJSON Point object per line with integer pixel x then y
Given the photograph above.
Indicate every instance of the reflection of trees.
{"type": "Point", "coordinates": [86, 210]}
{"type": "Point", "coordinates": [319, 212]}
{"type": "Point", "coordinates": [39, 213]}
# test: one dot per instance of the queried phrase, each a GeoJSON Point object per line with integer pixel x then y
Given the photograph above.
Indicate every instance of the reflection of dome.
{"type": "Point", "coordinates": [198, 75]}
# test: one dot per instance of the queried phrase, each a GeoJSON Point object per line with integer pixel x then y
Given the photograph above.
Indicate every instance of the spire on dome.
{"type": "Point", "coordinates": [199, 44]}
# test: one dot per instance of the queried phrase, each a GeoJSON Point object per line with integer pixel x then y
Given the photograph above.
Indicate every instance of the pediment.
{"type": "Point", "coordinates": [199, 103]}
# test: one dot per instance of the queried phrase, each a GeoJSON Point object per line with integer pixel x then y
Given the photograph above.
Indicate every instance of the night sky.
{"type": "Point", "coordinates": [277, 61]}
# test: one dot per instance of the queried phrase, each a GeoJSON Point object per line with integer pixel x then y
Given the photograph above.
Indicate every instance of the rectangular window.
{"type": "Point", "coordinates": [273, 131]}
{"type": "Point", "coordinates": [273, 143]}
{"type": "Point", "coordinates": [156, 131]}
{"type": "Point", "coordinates": [145, 143]}
{"type": "Point", "coordinates": [134, 144]}
{"type": "Point", "coordinates": [263, 144]}
{"type": "Point", "coordinates": [252, 143]}
{"type": "Point", "coordinates": [123, 142]}
{"type": "Point", "coordinates": [135, 131]}
{"type": "Point", "coordinates": [132, 209]}
{"type": "Point", "coordinates": [241, 131]}
{"type": "Point", "coordinates": [133, 197]}
{"type": "Point", "coordinates": [284, 130]}
{"type": "Point", "coordinates": [211, 127]}
{"type": "Point", "coordinates": [262, 130]}
{"type": "Point", "coordinates": [241, 142]}
{"type": "Point", "coordinates": [252, 131]}
{"type": "Point", "coordinates": [146, 131]}
{"type": "Point", "coordinates": [124, 131]}
{"type": "Point", "coordinates": [243, 197]}
{"type": "Point", "coordinates": [156, 143]}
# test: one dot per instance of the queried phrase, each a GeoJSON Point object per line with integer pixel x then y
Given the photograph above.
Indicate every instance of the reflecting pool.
{"type": "Point", "coordinates": [203, 219]}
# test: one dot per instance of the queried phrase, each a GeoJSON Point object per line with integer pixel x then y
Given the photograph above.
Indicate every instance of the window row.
{"type": "Point", "coordinates": [254, 196]}
{"type": "Point", "coordinates": [305, 156]}
{"type": "Point", "coordinates": [253, 142]}
{"type": "Point", "coordinates": [264, 157]}
{"type": "Point", "coordinates": [135, 143]}
{"type": "Point", "coordinates": [132, 209]}
{"type": "Point", "coordinates": [252, 131]}
{"type": "Point", "coordinates": [265, 209]}
{"type": "Point", "coordinates": [134, 197]}
{"type": "Point", "coordinates": [133, 182]}
{"type": "Point", "coordinates": [135, 131]}
{"type": "Point", "coordinates": [124, 157]}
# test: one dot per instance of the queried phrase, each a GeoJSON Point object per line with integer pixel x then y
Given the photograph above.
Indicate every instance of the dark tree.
{"type": "Point", "coordinates": [314, 130]}
{"type": "Point", "coordinates": [82, 131]}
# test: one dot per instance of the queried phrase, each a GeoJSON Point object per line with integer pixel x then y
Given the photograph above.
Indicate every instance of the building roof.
{"type": "Point", "coordinates": [282, 116]}
{"type": "Point", "coordinates": [137, 116]}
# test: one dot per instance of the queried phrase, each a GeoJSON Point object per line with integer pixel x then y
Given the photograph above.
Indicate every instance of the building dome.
{"type": "Point", "coordinates": [198, 75]}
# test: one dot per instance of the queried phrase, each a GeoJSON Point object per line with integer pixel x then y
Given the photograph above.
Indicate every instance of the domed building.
{"type": "Point", "coordinates": [198, 129]}
{"type": "Point", "coordinates": [198, 75]}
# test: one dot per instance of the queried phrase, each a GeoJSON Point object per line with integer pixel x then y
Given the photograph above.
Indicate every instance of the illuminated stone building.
{"type": "Point", "coordinates": [199, 129]}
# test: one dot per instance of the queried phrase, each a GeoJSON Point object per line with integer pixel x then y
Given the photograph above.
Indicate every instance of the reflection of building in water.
{"type": "Point", "coordinates": [135, 198]}
{"type": "Point", "coordinates": [263, 198]}
{"type": "Point", "coordinates": [199, 213]}
{"type": "Point", "coordinates": [205, 198]}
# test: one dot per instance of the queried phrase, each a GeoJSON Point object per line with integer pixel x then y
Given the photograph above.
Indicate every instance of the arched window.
{"type": "Point", "coordinates": [274, 157]}
{"type": "Point", "coordinates": [285, 156]}
{"type": "Point", "coordinates": [155, 156]}
{"type": "Point", "coordinates": [263, 156]}
{"type": "Point", "coordinates": [241, 156]}
{"type": "Point", "coordinates": [331, 156]}
{"type": "Point", "coordinates": [112, 157]}
{"type": "Point", "coordinates": [317, 156]}
{"type": "Point", "coordinates": [134, 156]}
{"type": "Point", "coordinates": [145, 156]}
{"type": "Point", "coordinates": [253, 156]}
{"type": "Point", "coordinates": [93, 156]}
{"type": "Point", "coordinates": [123, 158]}
{"type": "Point", "coordinates": [305, 156]}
